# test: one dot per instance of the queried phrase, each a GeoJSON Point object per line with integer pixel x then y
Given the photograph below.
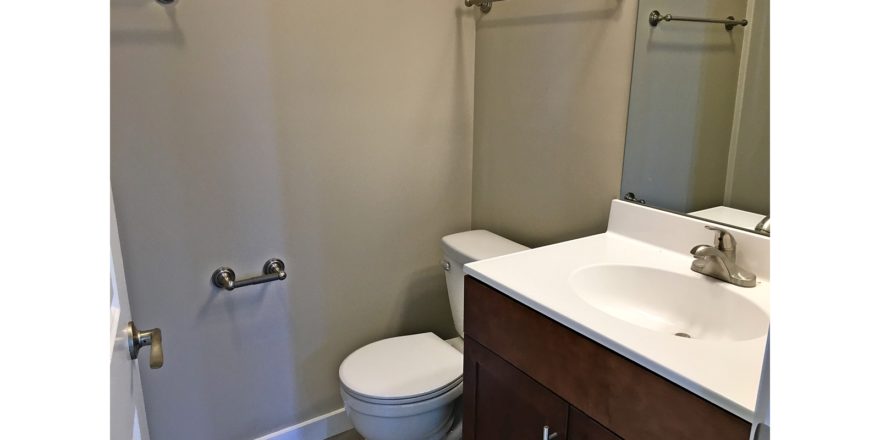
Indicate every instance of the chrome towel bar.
{"type": "Point", "coordinates": [729, 23]}
{"type": "Point", "coordinates": [273, 270]}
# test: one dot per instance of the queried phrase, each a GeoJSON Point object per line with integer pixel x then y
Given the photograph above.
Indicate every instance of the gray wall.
{"type": "Point", "coordinates": [750, 179]}
{"type": "Point", "coordinates": [552, 85]}
{"type": "Point", "coordinates": [336, 135]}
{"type": "Point", "coordinates": [681, 106]}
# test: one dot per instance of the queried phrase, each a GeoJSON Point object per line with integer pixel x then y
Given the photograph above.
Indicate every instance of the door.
{"type": "Point", "coordinates": [501, 402]}
{"type": "Point", "coordinates": [583, 427]}
{"type": "Point", "coordinates": [127, 416]}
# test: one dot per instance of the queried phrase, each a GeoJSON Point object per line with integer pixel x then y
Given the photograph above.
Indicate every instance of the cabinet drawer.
{"type": "Point", "coordinates": [626, 398]}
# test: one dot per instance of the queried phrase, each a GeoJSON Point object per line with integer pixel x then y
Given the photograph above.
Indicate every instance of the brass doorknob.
{"type": "Point", "coordinates": [138, 339]}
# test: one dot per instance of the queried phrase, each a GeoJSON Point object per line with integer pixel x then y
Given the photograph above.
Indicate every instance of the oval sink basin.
{"type": "Point", "coordinates": [671, 303]}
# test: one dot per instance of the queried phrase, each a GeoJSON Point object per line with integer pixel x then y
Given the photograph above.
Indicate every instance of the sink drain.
{"type": "Point", "coordinates": [683, 335]}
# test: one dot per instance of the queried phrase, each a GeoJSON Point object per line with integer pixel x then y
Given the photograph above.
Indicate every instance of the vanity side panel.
{"type": "Point", "coordinates": [623, 396]}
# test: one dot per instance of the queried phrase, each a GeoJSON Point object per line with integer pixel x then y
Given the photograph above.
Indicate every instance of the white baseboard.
{"type": "Point", "coordinates": [319, 428]}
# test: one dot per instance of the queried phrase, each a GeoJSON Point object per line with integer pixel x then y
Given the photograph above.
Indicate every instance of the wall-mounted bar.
{"type": "Point", "coordinates": [631, 197]}
{"type": "Point", "coordinates": [655, 18]}
{"type": "Point", "coordinates": [273, 270]}
{"type": "Point", "coordinates": [485, 5]}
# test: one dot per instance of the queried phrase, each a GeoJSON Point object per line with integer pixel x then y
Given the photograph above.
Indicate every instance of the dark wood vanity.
{"type": "Point", "coordinates": [524, 371]}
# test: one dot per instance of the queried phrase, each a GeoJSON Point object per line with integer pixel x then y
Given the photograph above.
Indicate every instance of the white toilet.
{"type": "Point", "coordinates": [408, 387]}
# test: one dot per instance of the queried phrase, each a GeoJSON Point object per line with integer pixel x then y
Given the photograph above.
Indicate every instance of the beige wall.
{"type": "Point", "coordinates": [681, 107]}
{"type": "Point", "coordinates": [749, 179]}
{"type": "Point", "coordinates": [336, 135]}
{"type": "Point", "coordinates": [552, 84]}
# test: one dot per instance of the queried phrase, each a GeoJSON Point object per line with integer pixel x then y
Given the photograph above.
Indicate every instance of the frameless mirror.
{"type": "Point", "coordinates": [698, 130]}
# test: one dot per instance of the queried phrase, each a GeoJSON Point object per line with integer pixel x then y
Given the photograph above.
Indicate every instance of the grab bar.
{"type": "Point", "coordinates": [485, 5]}
{"type": "Point", "coordinates": [273, 270]}
{"type": "Point", "coordinates": [631, 197]}
{"type": "Point", "coordinates": [655, 18]}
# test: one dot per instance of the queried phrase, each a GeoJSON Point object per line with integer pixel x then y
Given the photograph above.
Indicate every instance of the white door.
{"type": "Point", "coordinates": [127, 416]}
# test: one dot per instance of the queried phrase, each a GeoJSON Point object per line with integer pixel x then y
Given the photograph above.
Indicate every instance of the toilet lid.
{"type": "Point", "coordinates": [401, 367]}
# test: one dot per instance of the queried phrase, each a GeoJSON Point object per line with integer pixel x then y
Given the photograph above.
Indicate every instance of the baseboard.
{"type": "Point", "coordinates": [319, 428]}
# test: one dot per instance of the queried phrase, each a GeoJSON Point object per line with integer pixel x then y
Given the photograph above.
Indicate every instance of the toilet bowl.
{"type": "Point", "coordinates": [409, 387]}
{"type": "Point", "coordinates": [402, 388]}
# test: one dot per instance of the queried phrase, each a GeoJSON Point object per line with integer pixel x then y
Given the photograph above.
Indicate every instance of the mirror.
{"type": "Point", "coordinates": [698, 129]}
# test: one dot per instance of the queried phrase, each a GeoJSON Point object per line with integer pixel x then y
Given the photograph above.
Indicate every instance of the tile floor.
{"type": "Point", "coordinates": [347, 435]}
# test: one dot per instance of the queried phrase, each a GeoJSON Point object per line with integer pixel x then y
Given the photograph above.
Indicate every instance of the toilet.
{"type": "Point", "coordinates": [408, 387]}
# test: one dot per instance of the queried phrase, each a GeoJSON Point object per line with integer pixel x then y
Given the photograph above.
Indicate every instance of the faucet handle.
{"type": "Point", "coordinates": [724, 241]}
{"type": "Point", "coordinates": [763, 226]}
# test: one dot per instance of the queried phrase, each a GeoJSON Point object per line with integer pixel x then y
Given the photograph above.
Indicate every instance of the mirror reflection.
{"type": "Point", "coordinates": [698, 136]}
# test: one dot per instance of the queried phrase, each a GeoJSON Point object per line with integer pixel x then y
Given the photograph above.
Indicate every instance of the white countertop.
{"type": "Point", "coordinates": [725, 373]}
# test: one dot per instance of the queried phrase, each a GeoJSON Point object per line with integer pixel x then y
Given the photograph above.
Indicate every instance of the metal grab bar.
{"type": "Point", "coordinates": [631, 197]}
{"type": "Point", "coordinates": [273, 270]}
{"type": "Point", "coordinates": [485, 5]}
{"type": "Point", "coordinates": [655, 18]}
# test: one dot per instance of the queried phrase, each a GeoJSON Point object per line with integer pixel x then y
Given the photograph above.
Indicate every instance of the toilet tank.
{"type": "Point", "coordinates": [465, 247]}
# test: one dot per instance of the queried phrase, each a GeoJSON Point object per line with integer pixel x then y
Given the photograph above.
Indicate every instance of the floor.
{"type": "Point", "coordinates": [347, 435]}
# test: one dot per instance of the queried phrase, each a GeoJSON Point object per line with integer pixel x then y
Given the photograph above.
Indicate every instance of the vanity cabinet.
{"type": "Point", "coordinates": [522, 371]}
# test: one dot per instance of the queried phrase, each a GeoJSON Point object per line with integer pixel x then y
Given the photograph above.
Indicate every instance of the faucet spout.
{"type": "Point", "coordinates": [704, 251]}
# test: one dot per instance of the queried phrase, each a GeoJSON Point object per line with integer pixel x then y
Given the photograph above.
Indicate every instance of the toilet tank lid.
{"type": "Point", "coordinates": [465, 247]}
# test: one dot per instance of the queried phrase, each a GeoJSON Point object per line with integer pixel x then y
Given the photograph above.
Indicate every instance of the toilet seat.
{"type": "Point", "coordinates": [398, 410]}
{"type": "Point", "coordinates": [415, 399]}
{"type": "Point", "coordinates": [402, 370]}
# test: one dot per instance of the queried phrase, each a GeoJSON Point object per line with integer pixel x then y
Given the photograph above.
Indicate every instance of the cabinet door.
{"type": "Point", "coordinates": [501, 402]}
{"type": "Point", "coordinates": [583, 427]}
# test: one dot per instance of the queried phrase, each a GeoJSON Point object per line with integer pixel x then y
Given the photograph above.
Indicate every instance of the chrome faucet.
{"type": "Point", "coordinates": [719, 261]}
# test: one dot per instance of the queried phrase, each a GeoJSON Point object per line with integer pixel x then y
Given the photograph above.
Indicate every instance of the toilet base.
{"type": "Point", "coordinates": [455, 432]}
{"type": "Point", "coordinates": [440, 423]}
